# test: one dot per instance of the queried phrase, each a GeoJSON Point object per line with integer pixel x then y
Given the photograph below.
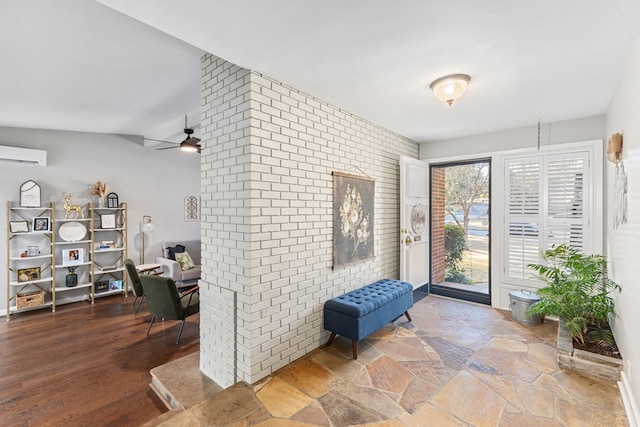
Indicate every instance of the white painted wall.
{"type": "Point", "coordinates": [624, 242]}
{"type": "Point", "coordinates": [151, 182]}
{"type": "Point", "coordinates": [584, 129]}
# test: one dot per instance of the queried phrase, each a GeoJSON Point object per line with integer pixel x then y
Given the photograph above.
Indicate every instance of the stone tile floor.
{"type": "Point", "coordinates": [455, 364]}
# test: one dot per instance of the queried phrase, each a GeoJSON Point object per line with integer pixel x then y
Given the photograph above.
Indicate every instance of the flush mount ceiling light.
{"type": "Point", "coordinates": [449, 88]}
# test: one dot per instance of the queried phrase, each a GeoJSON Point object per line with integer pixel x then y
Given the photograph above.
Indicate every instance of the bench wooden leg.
{"type": "Point", "coordinates": [354, 347]}
{"type": "Point", "coordinates": [331, 338]}
{"type": "Point", "coordinates": [406, 313]}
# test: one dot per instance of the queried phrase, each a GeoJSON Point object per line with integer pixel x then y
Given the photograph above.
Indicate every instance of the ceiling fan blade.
{"type": "Point", "coordinates": [191, 140]}
{"type": "Point", "coordinates": [191, 143]}
{"type": "Point", "coordinates": [160, 140]}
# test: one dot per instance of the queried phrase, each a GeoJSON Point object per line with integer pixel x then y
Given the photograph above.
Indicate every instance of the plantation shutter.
{"type": "Point", "coordinates": [523, 215]}
{"type": "Point", "coordinates": [544, 206]}
{"type": "Point", "coordinates": [565, 200]}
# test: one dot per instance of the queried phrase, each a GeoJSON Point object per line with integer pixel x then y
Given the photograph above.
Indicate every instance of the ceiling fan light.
{"type": "Point", "coordinates": [449, 88]}
{"type": "Point", "coordinates": [189, 147]}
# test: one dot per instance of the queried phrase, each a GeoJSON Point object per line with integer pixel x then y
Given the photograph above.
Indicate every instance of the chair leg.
{"type": "Point", "coordinates": [153, 319]}
{"type": "Point", "coordinates": [180, 332]}
{"type": "Point", "coordinates": [354, 349]}
{"type": "Point", "coordinates": [139, 304]}
{"type": "Point", "coordinates": [406, 313]}
{"type": "Point", "coordinates": [333, 335]}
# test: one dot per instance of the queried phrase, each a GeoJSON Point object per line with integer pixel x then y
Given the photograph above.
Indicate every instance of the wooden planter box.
{"type": "Point", "coordinates": [586, 363]}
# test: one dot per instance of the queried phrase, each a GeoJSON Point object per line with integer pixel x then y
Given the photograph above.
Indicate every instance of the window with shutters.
{"type": "Point", "coordinates": [545, 206]}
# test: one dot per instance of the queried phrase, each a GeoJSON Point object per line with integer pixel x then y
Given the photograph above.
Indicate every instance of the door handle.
{"type": "Point", "coordinates": [408, 241]}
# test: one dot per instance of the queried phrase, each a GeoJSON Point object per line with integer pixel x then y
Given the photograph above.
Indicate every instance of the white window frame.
{"type": "Point", "coordinates": [592, 210]}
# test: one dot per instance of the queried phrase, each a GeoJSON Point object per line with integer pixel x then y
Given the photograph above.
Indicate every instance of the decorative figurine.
{"type": "Point", "coordinates": [68, 208]}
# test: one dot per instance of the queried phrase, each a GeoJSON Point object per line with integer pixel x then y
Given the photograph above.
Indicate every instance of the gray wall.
{"type": "Point", "coordinates": [151, 182]}
{"type": "Point", "coordinates": [585, 129]}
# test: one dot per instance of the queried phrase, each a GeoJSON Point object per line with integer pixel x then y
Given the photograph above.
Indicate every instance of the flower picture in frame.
{"type": "Point", "coordinates": [41, 224]}
{"type": "Point", "coordinates": [353, 218]}
{"type": "Point", "coordinates": [73, 256]}
{"type": "Point", "coordinates": [108, 221]}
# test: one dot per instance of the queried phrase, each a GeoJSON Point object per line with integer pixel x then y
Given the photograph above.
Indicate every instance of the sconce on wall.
{"type": "Point", "coordinates": [449, 88]}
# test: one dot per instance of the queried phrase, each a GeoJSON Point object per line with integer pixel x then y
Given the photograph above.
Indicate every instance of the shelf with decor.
{"type": "Point", "coordinates": [30, 280]}
{"type": "Point", "coordinates": [108, 250]}
{"type": "Point", "coordinates": [72, 243]}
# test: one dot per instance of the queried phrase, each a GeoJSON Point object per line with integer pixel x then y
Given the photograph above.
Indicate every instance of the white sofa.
{"type": "Point", "coordinates": [172, 269]}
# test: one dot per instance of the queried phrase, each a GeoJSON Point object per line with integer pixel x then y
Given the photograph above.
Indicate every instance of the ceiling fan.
{"type": "Point", "coordinates": [190, 144]}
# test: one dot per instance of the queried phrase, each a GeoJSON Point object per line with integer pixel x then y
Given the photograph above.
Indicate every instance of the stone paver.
{"type": "Point", "coordinates": [455, 364]}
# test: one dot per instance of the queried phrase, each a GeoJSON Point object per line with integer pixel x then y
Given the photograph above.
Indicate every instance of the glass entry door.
{"type": "Point", "coordinates": [460, 230]}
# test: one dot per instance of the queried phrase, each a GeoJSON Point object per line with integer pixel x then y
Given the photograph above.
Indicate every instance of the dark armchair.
{"type": "Point", "coordinates": [136, 285]}
{"type": "Point", "coordinates": [165, 302]}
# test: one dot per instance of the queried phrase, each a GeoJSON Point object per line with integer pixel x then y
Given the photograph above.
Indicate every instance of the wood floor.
{"type": "Point", "coordinates": [86, 365]}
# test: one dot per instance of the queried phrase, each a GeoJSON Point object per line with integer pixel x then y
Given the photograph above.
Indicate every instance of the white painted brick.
{"type": "Point", "coordinates": [280, 278]}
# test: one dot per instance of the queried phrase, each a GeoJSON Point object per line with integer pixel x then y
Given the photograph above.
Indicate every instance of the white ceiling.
{"type": "Point", "coordinates": [76, 64]}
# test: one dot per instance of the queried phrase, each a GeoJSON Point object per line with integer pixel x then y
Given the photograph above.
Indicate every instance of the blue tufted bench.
{"type": "Point", "coordinates": [359, 313]}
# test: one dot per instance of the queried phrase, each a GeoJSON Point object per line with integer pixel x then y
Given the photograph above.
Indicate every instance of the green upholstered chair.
{"type": "Point", "coordinates": [166, 303]}
{"type": "Point", "coordinates": [136, 285]}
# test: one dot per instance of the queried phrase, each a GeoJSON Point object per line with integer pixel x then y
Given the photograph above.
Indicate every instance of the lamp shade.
{"type": "Point", "coordinates": [147, 225]}
{"type": "Point", "coordinates": [451, 87]}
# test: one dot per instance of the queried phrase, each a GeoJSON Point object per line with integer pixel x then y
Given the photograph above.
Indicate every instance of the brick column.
{"type": "Point", "coordinates": [437, 225]}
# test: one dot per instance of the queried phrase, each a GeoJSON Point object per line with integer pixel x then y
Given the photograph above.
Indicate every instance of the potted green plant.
{"type": "Point", "coordinates": [579, 293]}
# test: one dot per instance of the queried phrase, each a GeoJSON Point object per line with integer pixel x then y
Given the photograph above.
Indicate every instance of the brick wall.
{"type": "Point", "coordinates": [225, 288]}
{"type": "Point", "coordinates": [437, 225]}
{"type": "Point", "coordinates": [268, 154]}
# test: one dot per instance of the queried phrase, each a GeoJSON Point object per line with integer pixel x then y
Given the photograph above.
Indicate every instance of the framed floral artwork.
{"type": "Point", "coordinates": [108, 221]}
{"type": "Point", "coordinates": [353, 218]}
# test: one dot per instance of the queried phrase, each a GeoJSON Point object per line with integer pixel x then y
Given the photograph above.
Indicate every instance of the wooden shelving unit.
{"type": "Point", "coordinates": [35, 273]}
{"type": "Point", "coordinates": [108, 250]}
{"type": "Point", "coordinates": [100, 259]}
{"type": "Point", "coordinates": [63, 246]}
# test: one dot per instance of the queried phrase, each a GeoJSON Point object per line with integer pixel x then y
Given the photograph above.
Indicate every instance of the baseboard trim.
{"type": "Point", "coordinates": [630, 407]}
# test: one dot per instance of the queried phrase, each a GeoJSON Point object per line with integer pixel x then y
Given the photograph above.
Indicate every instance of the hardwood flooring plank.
{"type": "Point", "coordinates": [86, 364]}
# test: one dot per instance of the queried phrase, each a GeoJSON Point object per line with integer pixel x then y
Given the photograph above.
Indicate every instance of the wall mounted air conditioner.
{"type": "Point", "coordinates": [23, 155]}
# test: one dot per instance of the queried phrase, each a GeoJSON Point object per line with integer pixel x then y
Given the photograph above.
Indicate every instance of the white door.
{"type": "Point", "coordinates": [414, 221]}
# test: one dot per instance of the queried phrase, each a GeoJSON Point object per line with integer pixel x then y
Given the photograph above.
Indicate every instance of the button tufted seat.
{"type": "Point", "coordinates": [361, 312]}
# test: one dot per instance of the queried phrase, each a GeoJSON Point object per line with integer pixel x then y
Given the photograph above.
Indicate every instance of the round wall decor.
{"type": "Point", "coordinates": [72, 231]}
{"type": "Point", "coordinates": [418, 219]}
